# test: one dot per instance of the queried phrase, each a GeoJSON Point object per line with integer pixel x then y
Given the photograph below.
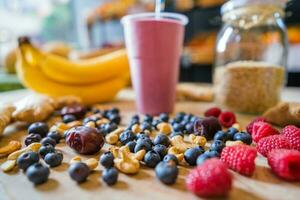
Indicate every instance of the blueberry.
{"type": "Point", "coordinates": [46, 149]}
{"type": "Point", "coordinates": [142, 145]}
{"type": "Point", "coordinates": [179, 117]}
{"type": "Point", "coordinates": [135, 119]}
{"type": "Point", "coordinates": [27, 159]}
{"type": "Point", "coordinates": [189, 127]}
{"type": "Point", "coordinates": [145, 139]}
{"type": "Point", "coordinates": [40, 128]}
{"type": "Point", "coordinates": [37, 173]}
{"type": "Point", "coordinates": [107, 159]}
{"type": "Point", "coordinates": [166, 172]}
{"type": "Point", "coordinates": [192, 154]}
{"type": "Point", "coordinates": [155, 122]}
{"type": "Point", "coordinates": [221, 135]}
{"type": "Point", "coordinates": [69, 118]}
{"type": "Point", "coordinates": [161, 139]}
{"type": "Point", "coordinates": [217, 145]}
{"type": "Point", "coordinates": [184, 123]}
{"type": "Point", "coordinates": [151, 158]}
{"type": "Point", "coordinates": [148, 118]}
{"type": "Point", "coordinates": [131, 146]}
{"type": "Point", "coordinates": [126, 137]}
{"type": "Point", "coordinates": [161, 150]}
{"type": "Point", "coordinates": [173, 134]}
{"type": "Point", "coordinates": [141, 135]}
{"type": "Point", "coordinates": [48, 140]}
{"type": "Point", "coordinates": [171, 157]}
{"type": "Point", "coordinates": [31, 138]}
{"type": "Point", "coordinates": [206, 155]}
{"type": "Point", "coordinates": [164, 117]}
{"type": "Point", "coordinates": [231, 132]}
{"type": "Point", "coordinates": [146, 126]}
{"type": "Point", "coordinates": [110, 176]}
{"type": "Point", "coordinates": [115, 118]}
{"type": "Point", "coordinates": [105, 113]}
{"type": "Point", "coordinates": [187, 117]}
{"type": "Point", "coordinates": [79, 172]}
{"type": "Point", "coordinates": [172, 122]}
{"type": "Point", "coordinates": [108, 127]}
{"type": "Point", "coordinates": [193, 119]}
{"type": "Point", "coordinates": [115, 110]}
{"type": "Point", "coordinates": [244, 137]}
{"type": "Point", "coordinates": [54, 135]}
{"type": "Point", "coordinates": [214, 153]}
{"type": "Point", "coordinates": [54, 159]}
{"type": "Point", "coordinates": [90, 119]}
{"type": "Point", "coordinates": [178, 127]}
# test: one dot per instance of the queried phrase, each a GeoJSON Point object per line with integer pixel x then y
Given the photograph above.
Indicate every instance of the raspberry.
{"type": "Point", "coordinates": [267, 144]}
{"type": "Point", "coordinates": [213, 112]}
{"type": "Point", "coordinates": [210, 179]}
{"type": "Point", "coordinates": [285, 163]}
{"type": "Point", "coordinates": [292, 134]}
{"type": "Point", "coordinates": [262, 129]}
{"type": "Point", "coordinates": [249, 127]}
{"type": "Point", "coordinates": [240, 158]}
{"type": "Point", "coordinates": [227, 119]}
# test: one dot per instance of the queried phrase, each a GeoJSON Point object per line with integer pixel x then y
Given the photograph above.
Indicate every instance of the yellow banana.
{"type": "Point", "coordinates": [81, 72]}
{"type": "Point", "coordinates": [34, 79]}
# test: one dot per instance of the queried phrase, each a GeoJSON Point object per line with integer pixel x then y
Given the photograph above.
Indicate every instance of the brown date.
{"type": "Point", "coordinates": [76, 109]}
{"type": "Point", "coordinates": [207, 127]}
{"type": "Point", "coordinates": [84, 140]}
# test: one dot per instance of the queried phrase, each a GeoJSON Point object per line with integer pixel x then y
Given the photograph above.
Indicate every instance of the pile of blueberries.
{"type": "Point", "coordinates": [157, 149]}
{"type": "Point", "coordinates": [29, 162]}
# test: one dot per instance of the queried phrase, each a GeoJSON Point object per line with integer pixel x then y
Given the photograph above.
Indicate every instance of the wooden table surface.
{"type": "Point", "coordinates": [14, 185]}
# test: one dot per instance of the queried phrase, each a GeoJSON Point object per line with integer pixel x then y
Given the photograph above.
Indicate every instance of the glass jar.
{"type": "Point", "coordinates": [251, 55]}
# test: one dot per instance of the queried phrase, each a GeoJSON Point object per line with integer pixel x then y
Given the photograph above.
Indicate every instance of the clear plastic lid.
{"type": "Point", "coordinates": [234, 4]}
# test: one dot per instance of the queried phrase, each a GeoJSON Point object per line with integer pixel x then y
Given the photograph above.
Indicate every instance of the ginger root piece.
{"type": "Point", "coordinates": [284, 114]}
{"type": "Point", "coordinates": [33, 108]}
{"type": "Point", "coordinates": [5, 116]}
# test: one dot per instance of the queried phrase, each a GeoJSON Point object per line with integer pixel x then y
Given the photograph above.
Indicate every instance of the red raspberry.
{"type": "Point", "coordinates": [262, 129]}
{"type": "Point", "coordinates": [267, 144]}
{"type": "Point", "coordinates": [285, 163]}
{"type": "Point", "coordinates": [210, 179]}
{"type": "Point", "coordinates": [249, 127]}
{"type": "Point", "coordinates": [227, 119]}
{"type": "Point", "coordinates": [292, 134]}
{"type": "Point", "coordinates": [213, 112]}
{"type": "Point", "coordinates": [240, 158]}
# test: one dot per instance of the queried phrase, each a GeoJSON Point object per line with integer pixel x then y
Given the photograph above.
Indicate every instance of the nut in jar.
{"type": "Point", "coordinates": [251, 53]}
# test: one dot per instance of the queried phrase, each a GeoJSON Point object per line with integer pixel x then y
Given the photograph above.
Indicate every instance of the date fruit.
{"type": "Point", "coordinates": [207, 127]}
{"type": "Point", "coordinates": [76, 110]}
{"type": "Point", "coordinates": [84, 140]}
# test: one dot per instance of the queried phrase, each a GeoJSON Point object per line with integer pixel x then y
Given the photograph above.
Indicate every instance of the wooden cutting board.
{"type": "Point", "coordinates": [14, 185]}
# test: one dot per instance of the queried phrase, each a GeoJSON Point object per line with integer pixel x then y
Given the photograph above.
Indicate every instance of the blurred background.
{"type": "Point", "coordinates": [84, 29]}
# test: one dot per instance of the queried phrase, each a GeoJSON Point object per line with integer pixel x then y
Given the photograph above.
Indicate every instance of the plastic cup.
{"type": "Point", "coordinates": [154, 45]}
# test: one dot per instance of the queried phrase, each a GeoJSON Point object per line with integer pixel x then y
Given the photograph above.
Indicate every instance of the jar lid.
{"type": "Point", "coordinates": [234, 4]}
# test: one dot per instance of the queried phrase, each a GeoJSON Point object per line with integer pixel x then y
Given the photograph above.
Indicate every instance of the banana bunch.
{"type": "Point", "coordinates": [94, 80]}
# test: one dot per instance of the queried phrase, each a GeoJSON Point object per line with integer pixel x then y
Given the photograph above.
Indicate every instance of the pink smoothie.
{"type": "Point", "coordinates": [154, 47]}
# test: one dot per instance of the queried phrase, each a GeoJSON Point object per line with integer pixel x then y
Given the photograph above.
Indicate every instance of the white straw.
{"type": "Point", "coordinates": [159, 7]}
